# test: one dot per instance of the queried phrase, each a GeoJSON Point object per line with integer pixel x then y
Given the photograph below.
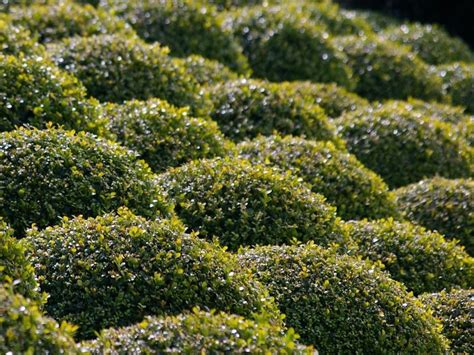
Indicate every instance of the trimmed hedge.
{"type": "Point", "coordinates": [342, 304]}
{"type": "Point", "coordinates": [52, 173]}
{"type": "Point", "coordinates": [163, 135]}
{"type": "Point", "coordinates": [199, 332]}
{"type": "Point", "coordinates": [185, 26]}
{"type": "Point", "coordinates": [64, 19]}
{"type": "Point", "coordinates": [422, 260]}
{"type": "Point", "coordinates": [16, 39]}
{"type": "Point", "coordinates": [15, 269]}
{"type": "Point", "coordinates": [431, 43]}
{"type": "Point", "coordinates": [245, 204]}
{"type": "Point", "coordinates": [333, 99]}
{"type": "Point", "coordinates": [386, 70]}
{"type": "Point", "coordinates": [247, 108]}
{"type": "Point", "coordinates": [24, 330]}
{"type": "Point", "coordinates": [404, 146]}
{"type": "Point", "coordinates": [458, 81]}
{"type": "Point", "coordinates": [465, 128]}
{"type": "Point", "coordinates": [206, 71]}
{"type": "Point", "coordinates": [283, 45]}
{"type": "Point", "coordinates": [376, 20]}
{"type": "Point", "coordinates": [34, 92]}
{"type": "Point", "coordinates": [115, 269]}
{"type": "Point", "coordinates": [115, 68]}
{"type": "Point", "coordinates": [454, 309]}
{"type": "Point", "coordinates": [443, 205]}
{"type": "Point", "coordinates": [356, 191]}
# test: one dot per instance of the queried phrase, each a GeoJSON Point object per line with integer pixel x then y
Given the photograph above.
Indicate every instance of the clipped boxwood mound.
{"type": "Point", "coordinates": [422, 260]}
{"type": "Point", "coordinates": [333, 99]}
{"type": "Point", "coordinates": [245, 204]}
{"type": "Point", "coordinates": [431, 43]}
{"type": "Point", "coordinates": [386, 70]}
{"type": "Point", "coordinates": [342, 304]}
{"type": "Point", "coordinates": [458, 80]}
{"type": "Point", "coordinates": [16, 39]}
{"type": "Point", "coordinates": [443, 205]}
{"type": "Point", "coordinates": [356, 191]}
{"type": "Point", "coordinates": [404, 146]}
{"type": "Point", "coordinates": [185, 26]}
{"type": "Point", "coordinates": [34, 92]}
{"type": "Point", "coordinates": [163, 135]}
{"type": "Point", "coordinates": [15, 269]}
{"type": "Point", "coordinates": [115, 269]}
{"type": "Point", "coordinates": [246, 108]}
{"type": "Point", "coordinates": [199, 333]}
{"type": "Point", "coordinates": [115, 68]}
{"type": "Point", "coordinates": [64, 19]}
{"type": "Point", "coordinates": [206, 71]}
{"type": "Point", "coordinates": [24, 330]}
{"type": "Point", "coordinates": [454, 309]}
{"type": "Point", "coordinates": [283, 45]}
{"type": "Point", "coordinates": [52, 173]}
{"type": "Point", "coordinates": [465, 128]}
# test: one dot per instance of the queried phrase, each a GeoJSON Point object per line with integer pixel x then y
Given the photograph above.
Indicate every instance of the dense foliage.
{"type": "Point", "coordinates": [16, 39]}
{"type": "Point", "coordinates": [46, 174]}
{"type": "Point", "coordinates": [443, 205]}
{"type": "Point", "coordinates": [341, 304]}
{"type": "Point", "coordinates": [115, 269]}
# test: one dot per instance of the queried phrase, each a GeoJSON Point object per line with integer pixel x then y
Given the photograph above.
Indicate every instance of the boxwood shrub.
{"type": "Point", "coordinates": [387, 70]}
{"type": "Point", "coordinates": [164, 135]}
{"type": "Point", "coordinates": [198, 332]}
{"type": "Point", "coordinates": [376, 20]}
{"type": "Point", "coordinates": [432, 43]}
{"type": "Point", "coordinates": [465, 128]}
{"type": "Point", "coordinates": [245, 204]}
{"type": "Point", "coordinates": [185, 26]}
{"type": "Point", "coordinates": [52, 173]}
{"type": "Point", "coordinates": [404, 146]}
{"type": "Point", "coordinates": [443, 205]}
{"type": "Point", "coordinates": [17, 39]}
{"type": "Point", "coordinates": [113, 270]}
{"type": "Point", "coordinates": [115, 68]}
{"type": "Point", "coordinates": [454, 309]}
{"type": "Point", "coordinates": [15, 269]}
{"type": "Point", "coordinates": [24, 330]}
{"type": "Point", "coordinates": [356, 191]}
{"type": "Point", "coordinates": [34, 92]}
{"type": "Point", "coordinates": [334, 99]}
{"type": "Point", "coordinates": [206, 71]}
{"type": "Point", "coordinates": [246, 108]}
{"type": "Point", "coordinates": [283, 45]}
{"type": "Point", "coordinates": [342, 304]}
{"type": "Point", "coordinates": [458, 80]}
{"type": "Point", "coordinates": [423, 260]}
{"type": "Point", "coordinates": [66, 18]}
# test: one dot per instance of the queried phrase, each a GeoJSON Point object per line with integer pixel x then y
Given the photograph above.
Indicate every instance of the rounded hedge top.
{"type": "Point", "coordinates": [458, 80]}
{"type": "Point", "coordinates": [443, 205]}
{"type": "Point", "coordinates": [342, 304]}
{"type": "Point", "coordinates": [115, 269]}
{"type": "Point", "coordinates": [356, 191]}
{"type": "Point", "coordinates": [245, 204]}
{"type": "Point", "coordinates": [64, 19]}
{"type": "Point", "coordinates": [186, 26]}
{"type": "Point", "coordinates": [163, 135]}
{"type": "Point", "coordinates": [386, 70]}
{"type": "Point", "coordinates": [455, 311]}
{"type": "Point", "coordinates": [424, 261]}
{"type": "Point", "coordinates": [198, 332]}
{"type": "Point", "coordinates": [206, 71]}
{"type": "Point", "coordinates": [333, 99]}
{"type": "Point", "coordinates": [52, 173]}
{"type": "Point", "coordinates": [403, 146]}
{"type": "Point", "coordinates": [115, 68]}
{"type": "Point", "coordinates": [432, 43]}
{"type": "Point", "coordinates": [16, 39]}
{"type": "Point", "coordinates": [34, 92]}
{"type": "Point", "coordinates": [246, 108]}
{"type": "Point", "coordinates": [282, 45]}
{"type": "Point", "coordinates": [24, 330]}
{"type": "Point", "coordinates": [15, 269]}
